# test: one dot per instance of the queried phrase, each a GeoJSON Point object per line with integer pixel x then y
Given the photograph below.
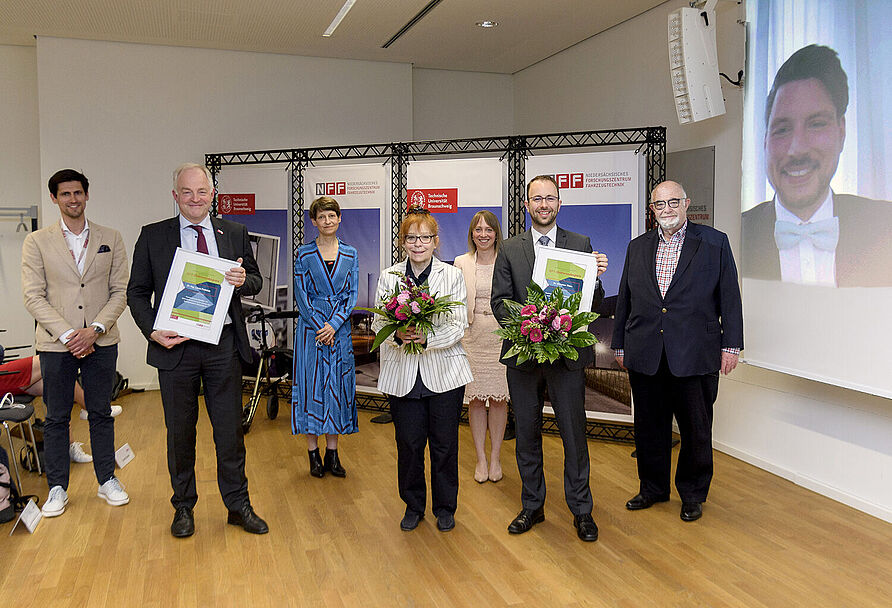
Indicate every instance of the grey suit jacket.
{"type": "Point", "coordinates": [513, 273]}
{"type": "Point", "coordinates": [60, 298]}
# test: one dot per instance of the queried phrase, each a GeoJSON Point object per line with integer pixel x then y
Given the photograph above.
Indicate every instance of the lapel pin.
{"type": "Point", "coordinates": [219, 231]}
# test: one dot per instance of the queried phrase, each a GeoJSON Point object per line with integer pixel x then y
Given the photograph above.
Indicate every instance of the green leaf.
{"type": "Point", "coordinates": [383, 334]}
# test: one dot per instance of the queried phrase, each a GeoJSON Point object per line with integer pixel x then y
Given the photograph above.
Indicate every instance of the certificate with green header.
{"type": "Point", "coordinates": [196, 296]}
{"type": "Point", "coordinates": [567, 270]}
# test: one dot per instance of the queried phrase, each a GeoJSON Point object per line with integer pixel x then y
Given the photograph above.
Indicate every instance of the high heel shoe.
{"type": "Point", "coordinates": [333, 464]}
{"type": "Point", "coordinates": [317, 469]}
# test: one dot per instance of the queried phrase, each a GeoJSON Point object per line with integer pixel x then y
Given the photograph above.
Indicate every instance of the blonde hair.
{"type": "Point", "coordinates": [185, 167]}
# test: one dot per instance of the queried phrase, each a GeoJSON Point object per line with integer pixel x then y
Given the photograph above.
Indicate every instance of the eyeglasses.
{"type": "Point", "coordinates": [544, 199]}
{"type": "Point", "coordinates": [672, 202]}
{"type": "Point", "coordinates": [425, 239]}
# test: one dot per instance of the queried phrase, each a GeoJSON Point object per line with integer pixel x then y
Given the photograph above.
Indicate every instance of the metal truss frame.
{"type": "Point", "coordinates": [516, 148]}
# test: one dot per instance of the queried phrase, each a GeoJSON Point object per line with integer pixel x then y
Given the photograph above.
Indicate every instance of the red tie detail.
{"type": "Point", "coordinates": [202, 243]}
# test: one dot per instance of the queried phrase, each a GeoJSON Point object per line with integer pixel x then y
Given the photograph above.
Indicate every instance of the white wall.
{"type": "Point", "coordinates": [461, 105]}
{"type": "Point", "coordinates": [128, 114]}
{"type": "Point", "coordinates": [19, 182]}
{"type": "Point", "coordinates": [829, 439]}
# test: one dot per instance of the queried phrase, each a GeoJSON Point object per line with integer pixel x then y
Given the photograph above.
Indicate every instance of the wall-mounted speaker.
{"type": "Point", "coordinates": [694, 66]}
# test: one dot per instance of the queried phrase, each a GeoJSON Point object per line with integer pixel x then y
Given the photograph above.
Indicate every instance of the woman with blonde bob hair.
{"type": "Point", "coordinates": [483, 345]}
{"type": "Point", "coordinates": [425, 390]}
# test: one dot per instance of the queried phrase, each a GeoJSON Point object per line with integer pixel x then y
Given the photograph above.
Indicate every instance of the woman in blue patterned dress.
{"type": "Point", "coordinates": [323, 397]}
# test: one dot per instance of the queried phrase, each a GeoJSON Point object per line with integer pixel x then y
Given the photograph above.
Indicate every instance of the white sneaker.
{"type": "Point", "coordinates": [77, 453]}
{"type": "Point", "coordinates": [55, 502]}
{"type": "Point", "coordinates": [115, 410]}
{"type": "Point", "coordinates": [113, 493]}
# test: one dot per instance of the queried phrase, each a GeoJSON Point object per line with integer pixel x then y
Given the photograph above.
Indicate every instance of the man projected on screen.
{"type": "Point", "coordinates": [809, 234]}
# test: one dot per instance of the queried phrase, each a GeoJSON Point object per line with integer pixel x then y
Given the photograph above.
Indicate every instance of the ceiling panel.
{"type": "Point", "coordinates": [446, 38]}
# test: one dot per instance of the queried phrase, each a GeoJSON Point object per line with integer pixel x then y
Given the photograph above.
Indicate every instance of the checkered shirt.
{"type": "Point", "coordinates": [668, 252]}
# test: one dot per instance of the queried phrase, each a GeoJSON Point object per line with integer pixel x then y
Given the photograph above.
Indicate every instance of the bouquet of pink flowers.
{"type": "Point", "coordinates": [546, 328]}
{"type": "Point", "coordinates": [409, 305]}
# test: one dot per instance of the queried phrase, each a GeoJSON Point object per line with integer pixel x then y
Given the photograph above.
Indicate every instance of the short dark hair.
{"type": "Point", "coordinates": [67, 175]}
{"type": "Point", "coordinates": [543, 178]}
{"type": "Point", "coordinates": [324, 203]}
{"type": "Point", "coordinates": [813, 61]}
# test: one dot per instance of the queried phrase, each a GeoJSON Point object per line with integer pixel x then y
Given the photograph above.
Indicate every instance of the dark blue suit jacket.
{"type": "Point", "coordinates": [700, 315]}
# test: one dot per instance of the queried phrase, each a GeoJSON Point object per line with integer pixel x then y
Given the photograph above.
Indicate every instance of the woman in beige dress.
{"type": "Point", "coordinates": [484, 346]}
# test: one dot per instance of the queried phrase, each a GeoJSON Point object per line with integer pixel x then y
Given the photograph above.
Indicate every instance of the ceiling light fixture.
{"type": "Point", "coordinates": [487, 24]}
{"type": "Point", "coordinates": [338, 18]}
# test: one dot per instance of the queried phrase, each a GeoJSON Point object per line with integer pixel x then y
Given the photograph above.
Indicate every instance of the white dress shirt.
{"type": "Point", "coordinates": [551, 234]}
{"type": "Point", "coordinates": [805, 263]}
{"type": "Point", "coordinates": [77, 245]}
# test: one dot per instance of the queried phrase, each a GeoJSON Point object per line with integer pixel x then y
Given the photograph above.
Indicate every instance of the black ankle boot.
{"type": "Point", "coordinates": [317, 469]}
{"type": "Point", "coordinates": [333, 464]}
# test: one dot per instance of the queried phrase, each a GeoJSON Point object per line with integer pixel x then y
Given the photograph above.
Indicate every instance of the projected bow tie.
{"type": "Point", "coordinates": [823, 234]}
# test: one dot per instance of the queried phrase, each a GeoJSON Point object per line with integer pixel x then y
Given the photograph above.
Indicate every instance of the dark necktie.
{"type": "Point", "coordinates": [544, 240]}
{"type": "Point", "coordinates": [202, 243]}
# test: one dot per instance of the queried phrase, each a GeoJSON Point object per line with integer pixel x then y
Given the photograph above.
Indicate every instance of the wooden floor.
{"type": "Point", "coordinates": [336, 542]}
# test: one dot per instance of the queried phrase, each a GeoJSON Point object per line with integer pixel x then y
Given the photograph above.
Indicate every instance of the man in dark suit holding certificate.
{"type": "Point", "coordinates": [183, 364]}
{"type": "Point", "coordinates": [564, 378]}
{"type": "Point", "coordinates": [678, 322]}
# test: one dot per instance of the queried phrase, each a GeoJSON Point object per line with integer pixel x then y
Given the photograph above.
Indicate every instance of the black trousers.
{"type": "Point", "coordinates": [220, 369]}
{"type": "Point", "coordinates": [566, 388]}
{"type": "Point", "coordinates": [690, 400]}
{"type": "Point", "coordinates": [59, 371]}
{"type": "Point", "coordinates": [418, 422]}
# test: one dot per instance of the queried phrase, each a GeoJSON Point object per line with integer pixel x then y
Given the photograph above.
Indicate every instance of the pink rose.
{"type": "Point", "coordinates": [403, 297]}
{"type": "Point", "coordinates": [566, 322]}
{"type": "Point", "coordinates": [556, 323]}
{"type": "Point", "coordinates": [401, 313]}
{"type": "Point", "coordinates": [416, 307]}
{"type": "Point", "coordinates": [528, 310]}
{"type": "Point", "coordinates": [535, 335]}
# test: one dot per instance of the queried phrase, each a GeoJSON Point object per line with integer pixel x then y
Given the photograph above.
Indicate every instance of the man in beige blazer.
{"type": "Point", "coordinates": [74, 281]}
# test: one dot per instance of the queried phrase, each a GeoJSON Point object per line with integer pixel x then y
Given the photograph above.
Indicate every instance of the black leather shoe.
{"type": "Point", "coordinates": [526, 519]}
{"type": "Point", "coordinates": [183, 523]}
{"type": "Point", "coordinates": [333, 464]}
{"type": "Point", "coordinates": [640, 501]}
{"type": "Point", "coordinates": [410, 521]}
{"type": "Point", "coordinates": [445, 522]}
{"type": "Point", "coordinates": [691, 511]}
{"type": "Point", "coordinates": [585, 527]}
{"type": "Point", "coordinates": [317, 469]}
{"type": "Point", "coordinates": [248, 519]}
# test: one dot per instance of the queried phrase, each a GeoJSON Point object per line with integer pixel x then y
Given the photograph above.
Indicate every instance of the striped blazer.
{"type": "Point", "coordinates": [444, 363]}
